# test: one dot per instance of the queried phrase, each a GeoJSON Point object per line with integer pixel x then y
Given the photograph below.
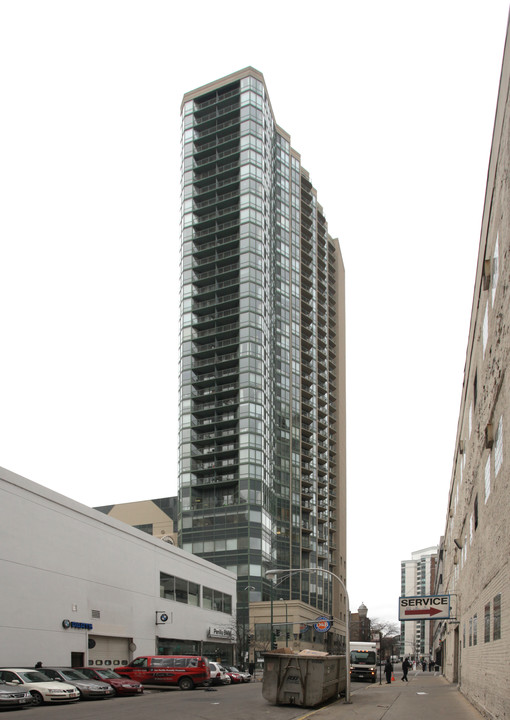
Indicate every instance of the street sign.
{"type": "Point", "coordinates": [424, 607]}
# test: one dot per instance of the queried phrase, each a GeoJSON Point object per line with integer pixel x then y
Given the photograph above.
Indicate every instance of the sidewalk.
{"type": "Point", "coordinates": [427, 696]}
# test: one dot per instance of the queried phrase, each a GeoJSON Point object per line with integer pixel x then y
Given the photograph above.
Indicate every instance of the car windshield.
{"type": "Point", "coordinates": [73, 675]}
{"type": "Point", "coordinates": [363, 657]}
{"type": "Point", "coordinates": [233, 669]}
{"type": "Point", "coordinates": [34, 676]}
{"type": "Point", "coordinates": [109, 674]}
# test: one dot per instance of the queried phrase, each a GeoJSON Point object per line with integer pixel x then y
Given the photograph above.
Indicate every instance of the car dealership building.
{"type": "Point", "coordinates": [79, 587]}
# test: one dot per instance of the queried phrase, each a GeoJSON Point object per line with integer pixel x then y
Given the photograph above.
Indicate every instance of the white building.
{"type": "Point", "coordinates": [418, 575]}
{"type": "Point", "coordinates": [80, 587]}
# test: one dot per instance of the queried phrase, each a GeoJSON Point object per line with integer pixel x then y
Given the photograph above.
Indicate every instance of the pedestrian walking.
{"type": "Point", "coordinates": [388, 670]}
{"type": "Point", "coordinates": [431, 665]}
{"type": "Point", "coordinates": [406, 666]}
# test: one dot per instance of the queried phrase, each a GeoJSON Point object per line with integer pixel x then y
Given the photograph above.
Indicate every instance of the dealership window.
{"type": "Point", "coordinates": [216, 600]}
{"type": "Point", "coordinates": [475, 629]}
{"type": "Point", "coordinates": [487, 623]}
{"type": "Point", "coordinates": [496, 609]}
{"type": "Point", "coordinates": [178, 589]}
{"type": "Point", "coordinates": [470, 632]}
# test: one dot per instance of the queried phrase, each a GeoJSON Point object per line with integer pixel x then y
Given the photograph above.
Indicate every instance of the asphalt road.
{"type": "Point", "coordinates": [233, 702]}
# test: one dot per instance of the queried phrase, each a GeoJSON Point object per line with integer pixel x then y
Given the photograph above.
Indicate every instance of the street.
{"type": "Point", "coordinates": [425, 697]}
{"type": "Point", "coordinates": [234, 702]}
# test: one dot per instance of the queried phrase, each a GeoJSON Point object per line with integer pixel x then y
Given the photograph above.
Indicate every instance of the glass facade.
{"type": "Point", "coordinates": [261, 397]}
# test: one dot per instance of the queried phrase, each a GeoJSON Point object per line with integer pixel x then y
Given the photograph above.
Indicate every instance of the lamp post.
{"type": "Point", "coordinates": [286, 624]}
{"type": "Point", "coordinates": [295, 571]}
{"type": "Point", "coordinates": [246, 633]}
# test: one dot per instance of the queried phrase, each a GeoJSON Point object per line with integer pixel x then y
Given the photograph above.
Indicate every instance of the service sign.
{"type": "Point", "coordinates": [424, 607]}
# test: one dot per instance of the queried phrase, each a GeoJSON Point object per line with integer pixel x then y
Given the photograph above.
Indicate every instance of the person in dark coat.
{"type": "Point", "coordinates": [406, 665]}
{"type": "Point", "coordinates": [388, 670]}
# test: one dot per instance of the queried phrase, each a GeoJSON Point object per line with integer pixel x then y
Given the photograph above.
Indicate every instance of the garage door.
{"type": "Point", "coordinates": [110, 651]}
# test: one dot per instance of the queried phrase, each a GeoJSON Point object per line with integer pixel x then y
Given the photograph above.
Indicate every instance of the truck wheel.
{"type": "Point", "coordinates": [186, 683]}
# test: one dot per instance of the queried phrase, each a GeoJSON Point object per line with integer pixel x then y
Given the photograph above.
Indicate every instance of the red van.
{"type": "Point", "coordinates": [186, 671]}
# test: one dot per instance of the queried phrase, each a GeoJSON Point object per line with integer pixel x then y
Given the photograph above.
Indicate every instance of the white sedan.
{"type": "Point", "coordinates": [42, 689]}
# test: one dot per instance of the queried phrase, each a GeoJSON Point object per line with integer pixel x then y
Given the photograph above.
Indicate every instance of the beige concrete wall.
{"type": "Point", "coordinates": [145, 512]}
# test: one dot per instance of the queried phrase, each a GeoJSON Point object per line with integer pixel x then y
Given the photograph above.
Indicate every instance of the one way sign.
{"type": "Point", "coordinates": [424, 607]}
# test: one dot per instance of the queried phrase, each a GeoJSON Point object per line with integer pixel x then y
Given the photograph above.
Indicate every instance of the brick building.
{"type": "Point", "coordinates": [473, 563]}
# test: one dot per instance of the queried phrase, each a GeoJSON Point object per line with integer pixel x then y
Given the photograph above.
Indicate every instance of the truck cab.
{"type": "Point", "coordinates": [363, 661]}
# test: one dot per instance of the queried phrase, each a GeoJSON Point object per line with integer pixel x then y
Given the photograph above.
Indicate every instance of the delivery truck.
{"type": "Point", "coordinates": [363, 661]}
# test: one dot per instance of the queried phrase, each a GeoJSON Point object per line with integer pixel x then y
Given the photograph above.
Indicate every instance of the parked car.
{"type": "Point", "coordinates": [42, 689]}
{"type": "Point", "coordinates": [245, 676]}
{"type": "Point", "coordinates": [121, 685]}
{"type": "Point", "coordinates": [14, 697]}
{"type": "Point", "coordinates": [88, 689]}
{"type": "Point", "coordinates": [218, 674]}
{"type": "Point", "coordinates": [186, 671]}
{"type": "Point", "coordinates": [233, 673]}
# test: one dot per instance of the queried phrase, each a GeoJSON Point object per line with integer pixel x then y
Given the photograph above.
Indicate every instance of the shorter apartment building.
{"type": "Point", "coordinates": [157, 517]}
{"type": "Point", "coordinates": [417, 578]}
{"type": "Point", "coordinates": [473, 646]}
{"type": "Point", "coordinates": [79, 587]}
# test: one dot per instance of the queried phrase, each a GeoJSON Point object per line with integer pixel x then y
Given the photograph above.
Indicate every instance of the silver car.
{"type": "Point", "coordinates": [40, 687]}
{"type": "Point", "coordinates": [88, 689]}
{"type": "Point", "coordinates": [14, 697]}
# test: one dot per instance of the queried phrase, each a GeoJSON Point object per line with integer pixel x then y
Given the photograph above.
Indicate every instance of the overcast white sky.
{"type": "Point", "coordinates": [391, 106]}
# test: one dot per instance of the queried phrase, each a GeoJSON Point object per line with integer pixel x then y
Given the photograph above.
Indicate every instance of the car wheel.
{"type": "Point", "coordinates": [186, 683]}
{"type": "Point", "coordinates": [37, 697]}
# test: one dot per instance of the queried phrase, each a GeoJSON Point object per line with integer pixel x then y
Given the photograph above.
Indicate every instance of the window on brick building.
{"type": "Point", "coordinates": [496, 610]}
{"type": "Point", "coordinates": [487, 623]}
{"type": "Point", "coordinates": [498, 447]}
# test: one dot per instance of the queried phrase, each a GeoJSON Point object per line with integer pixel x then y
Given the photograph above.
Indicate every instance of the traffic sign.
{"type": "Point", "coordinates": [424, 607]}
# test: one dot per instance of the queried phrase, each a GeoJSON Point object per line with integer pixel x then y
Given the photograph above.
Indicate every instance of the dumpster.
{"type": "Point", "coordinates": [304, 680]}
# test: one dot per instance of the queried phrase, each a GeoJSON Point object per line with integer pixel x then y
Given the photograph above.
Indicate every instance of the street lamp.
{"type": "Point", "coordinates": [286, 624]}
{"type": "Point", "coordinates": [282, 571]}
{"type": "Point", "coordinates": [246, 632]}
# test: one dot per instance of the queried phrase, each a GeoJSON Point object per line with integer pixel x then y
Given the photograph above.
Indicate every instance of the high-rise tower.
{"type": "Point", "coordinates": [262, 354]}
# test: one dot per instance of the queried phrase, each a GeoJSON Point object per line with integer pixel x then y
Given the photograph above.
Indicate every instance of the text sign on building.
{"type": "Point", "coordinates": [424, 607]}
{"type": "Point", "coordinates": [322, 624]}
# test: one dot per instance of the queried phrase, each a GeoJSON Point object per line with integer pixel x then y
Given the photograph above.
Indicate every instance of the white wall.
{"type": "Point", "coordinates": [61, 560]}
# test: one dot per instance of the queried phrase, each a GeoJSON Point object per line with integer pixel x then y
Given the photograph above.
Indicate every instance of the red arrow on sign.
{"type": "Point", "coordinates": [429, 611]}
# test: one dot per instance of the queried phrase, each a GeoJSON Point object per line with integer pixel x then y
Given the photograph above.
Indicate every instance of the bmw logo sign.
{"type": "Point", "coordinates": [163, 617]}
